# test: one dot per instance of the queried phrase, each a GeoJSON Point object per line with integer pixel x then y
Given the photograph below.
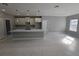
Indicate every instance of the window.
{"type": "Point", "coordinates": [73, 25]}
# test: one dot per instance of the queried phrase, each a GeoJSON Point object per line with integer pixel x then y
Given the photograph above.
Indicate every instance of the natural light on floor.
{"type": "Point", "coordinates": [68, 40]}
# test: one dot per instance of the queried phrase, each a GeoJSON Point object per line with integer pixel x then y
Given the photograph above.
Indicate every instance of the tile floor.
{"type": "Point", "coordinates": [53, 44]}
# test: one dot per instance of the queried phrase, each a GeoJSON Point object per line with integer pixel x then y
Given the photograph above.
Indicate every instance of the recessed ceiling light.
{"type": "Point", "coordinates": [28, 12]}
{"type": "Point", "coordinates": [3, 10]}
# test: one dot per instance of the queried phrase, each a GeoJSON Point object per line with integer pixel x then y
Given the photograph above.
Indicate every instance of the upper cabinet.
{"type": "Point", "coordinates": [38, 20]}
{"type": "Point", "coordinates": [31, 20]}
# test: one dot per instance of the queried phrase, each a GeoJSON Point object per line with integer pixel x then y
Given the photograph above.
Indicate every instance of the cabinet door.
{"type": "Point", "coordinates": [38, 20]}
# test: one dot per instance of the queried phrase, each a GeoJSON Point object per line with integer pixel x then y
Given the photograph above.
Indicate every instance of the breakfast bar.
{"type": "Point", "coordinates": [22, 33]}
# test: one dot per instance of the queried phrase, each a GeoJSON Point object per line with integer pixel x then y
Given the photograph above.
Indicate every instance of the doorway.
{"type": "Point", "coordinates": [8, 28]}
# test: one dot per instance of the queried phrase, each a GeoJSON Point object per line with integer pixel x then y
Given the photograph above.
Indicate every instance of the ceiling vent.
{"type": "Point", "coordinates": [56, 6]}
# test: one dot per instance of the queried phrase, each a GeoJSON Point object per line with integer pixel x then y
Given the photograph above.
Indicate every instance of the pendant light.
{"type": "Point", "coordinates": [28, 13]}
{"type": "Point", "coordinates": [38, 11]}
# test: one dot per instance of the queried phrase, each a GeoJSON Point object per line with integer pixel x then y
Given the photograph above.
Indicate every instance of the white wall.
{"type": "Point", "coordinates": [1, 28]}
{"type": "Point", "coordinates": [55, 23]}
{"type": "Point", "coordinates": [3, 17]}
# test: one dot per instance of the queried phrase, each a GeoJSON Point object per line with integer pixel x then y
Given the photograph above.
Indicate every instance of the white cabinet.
{"type": "Point", "coordinates": [38, 20]}
{"type": "Point", "coordinates": [21, 21]}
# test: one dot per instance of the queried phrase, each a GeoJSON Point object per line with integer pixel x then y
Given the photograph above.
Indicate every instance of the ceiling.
{"type": "Point", "coordinates": [45, 9]}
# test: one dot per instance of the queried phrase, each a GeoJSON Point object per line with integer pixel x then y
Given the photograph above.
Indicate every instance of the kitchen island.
{"type": "Point", "coordinates": [27, 34]}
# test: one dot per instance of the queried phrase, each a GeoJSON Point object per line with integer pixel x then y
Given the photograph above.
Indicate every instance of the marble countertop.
{"type": "Point", "coordinates": [23, 30]}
